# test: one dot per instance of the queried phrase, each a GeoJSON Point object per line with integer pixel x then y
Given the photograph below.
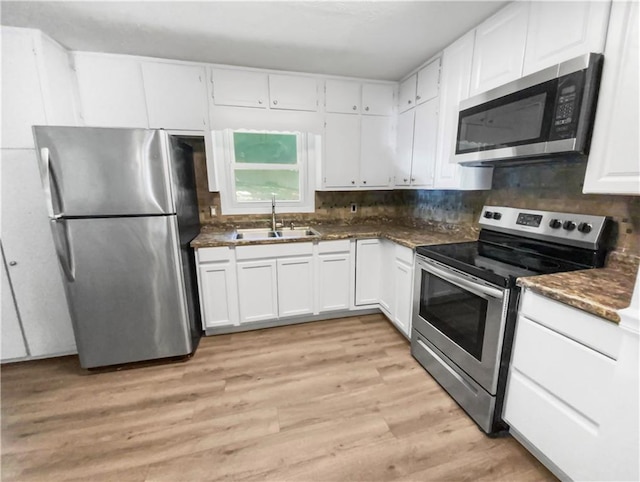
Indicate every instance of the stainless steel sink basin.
{"type": "Point", "coordinates": [301, 232]}
{"type": "Point", "coordinates": [266, 233]}
{"type": "Point", "coordinates": [255, 233]}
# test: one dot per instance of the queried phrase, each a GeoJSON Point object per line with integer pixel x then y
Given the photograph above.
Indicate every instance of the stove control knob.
{"type": "Point", "coordinates": [555, 223]}
{"type": "Point", "coordinates": [488, 214]}
{"type": "Point", "coordinates": [585, 228]}
{"type": "Point", "coordinates": [497, 216]}
{"type": "Point", "coordinates": [569, 225]}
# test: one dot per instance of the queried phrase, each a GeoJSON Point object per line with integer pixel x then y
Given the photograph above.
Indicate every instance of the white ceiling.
{"type": "Point", "coordinates": [370, 39]}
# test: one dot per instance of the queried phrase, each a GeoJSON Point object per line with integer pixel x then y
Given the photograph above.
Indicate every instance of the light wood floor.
{"type": "Point", "coordinates": [331, 400]}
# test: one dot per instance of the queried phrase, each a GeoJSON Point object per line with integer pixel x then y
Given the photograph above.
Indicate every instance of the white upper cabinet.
{"type": "Point", "coordinates": [241, 88]}
{"type": "Point", "coordinates": [499, 48]}
{"type": "Point", "coordinates": [425, 139]}
{"type": "Point", "coordinates": [341, 151]}
{"type": "Point", "coordinates": [614, 165]}
{"type": "Point", "coordinates": [404, 148]}
{"type": "Point", "coordinates": [559, 31]}
{"type": "Point", "coordinates": [407, 93]}
{"type": "Point", "coordinates": [111, 90]}
{"type": "Point", "coordinates": [37, 86]}
{"type": "Point", "coordinates": [377, 99]}
{"type": "Point", "coordinates": [376, 151]}
{"type": "Point", "coordinates": [292, 92]}
{"type": "Point", "coordinates": [176, 95]}
{"type": "Point", "coordinates": [455, 80]}
{"type": "Point", "coordinates": [428, 85]}
{"type": "Point", "coordinates": [342, 96]}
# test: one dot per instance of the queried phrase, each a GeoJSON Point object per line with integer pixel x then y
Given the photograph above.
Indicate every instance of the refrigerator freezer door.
{"type": "Point", "coordinates": [105, 172]}
{"type": "Point", "coordinates": [125, 289]}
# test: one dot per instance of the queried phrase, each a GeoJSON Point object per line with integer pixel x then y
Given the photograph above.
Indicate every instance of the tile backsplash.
{"type": "Point", "coordinates": [550, 186]}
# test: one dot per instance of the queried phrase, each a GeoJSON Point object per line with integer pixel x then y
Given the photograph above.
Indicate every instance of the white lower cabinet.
{"type": "Point", "coordinates": [13, 345]}
{"type": "Point", "coordinates": [396, 284]}
{"type": "Point", "coordinates": [218, 287]}
{"type": "Point", "coordinates": [561, 378]}
{"type": "Point", "coordinates": [295, 286]}
{"type": "Point", "coordinates": [368, 269]}
{"type": "Point", "coordinates": [333, 276]}
{"type": "Point", "coordinates": [258, 290]}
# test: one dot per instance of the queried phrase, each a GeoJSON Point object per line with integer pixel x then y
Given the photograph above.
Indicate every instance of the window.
{"type": "Point", "coordinates": [260, 164]}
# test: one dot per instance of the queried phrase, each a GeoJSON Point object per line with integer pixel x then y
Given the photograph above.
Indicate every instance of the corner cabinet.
{"type": "Point", "coordinates": [368, 271]}
{"type": "Point", "coordinates": [614, 159]}
{"type": "Point", "coordinates": [396, 285]}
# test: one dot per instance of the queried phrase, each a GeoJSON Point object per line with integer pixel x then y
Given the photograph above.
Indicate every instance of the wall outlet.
{"type": "Point", "coordinates": [354, 207]}
{"type": "Point", "coordinates": [213, 211]}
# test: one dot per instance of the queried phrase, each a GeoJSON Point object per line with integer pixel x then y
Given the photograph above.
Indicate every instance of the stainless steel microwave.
{"type": "Point", "coordinates": [548, 113]}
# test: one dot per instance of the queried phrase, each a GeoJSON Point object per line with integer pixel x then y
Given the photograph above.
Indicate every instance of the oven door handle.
{"type": "Point", "coordinates": [477, 289]}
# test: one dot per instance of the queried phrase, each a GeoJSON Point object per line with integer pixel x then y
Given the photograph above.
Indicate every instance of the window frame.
{"type": "Point", "coordinates": [307, 146]}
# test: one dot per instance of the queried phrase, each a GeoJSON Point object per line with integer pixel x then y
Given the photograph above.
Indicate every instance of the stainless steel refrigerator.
{"type": "Point", "coordinates": [123, 209]}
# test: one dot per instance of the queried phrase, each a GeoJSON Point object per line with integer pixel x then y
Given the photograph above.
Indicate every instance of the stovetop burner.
{"type": "Point", "coordinates": [515, 243]}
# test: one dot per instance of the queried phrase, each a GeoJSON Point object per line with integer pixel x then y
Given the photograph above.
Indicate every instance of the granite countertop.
{"type": "Point", "coordinates": [404, 235]}
{"type": "Point", "coordinates": [601, 292]}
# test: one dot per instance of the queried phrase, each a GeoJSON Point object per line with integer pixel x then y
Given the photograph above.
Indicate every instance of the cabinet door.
{"type": "Point", "coordinates": [218, 295]}
{"type": "Point", "coordinates": [377, 99]}
{"type": "Point", "coordinates": [404, 148]}
{"type": "Point", "coordinates": [376, 151]}
{"type": "Point", "coordinates": [12, 340]}
{"type": "Point", "coordinates": [111, 91]}
{"type": "Point", "coordinates": [342, 97]}
{"type": "Point", "coordinates": [407, 93]}
{"type": "Point", "coordinates": [176, 96]}
{"type": "Point", "coordinates": [425, 138]}
{"type": "Point", "coordinates": [428, 82]}
{"type": "Point", "coordinates": [342, 150]}
{"type": "Point", "coordinates": [293, 93]}
{"type": "Point", "coordinates": [33, 266]}
{"type": "Point", "coordinates": [456, 74]}
{"type": "Point", "coordinates": [368, 271]}
{"type": "Point", "coordinates": [559, 31]}
{"type": "Point", "coordinates": [613, 165]}
{"type": "Point", "coordinates": [22, 104]}
{"type": "Point", "coordinates": [258, 290]}
{"type": "Point", "coordinates": [387, 285]}
{"type": "Point", "coordinates": [333, 282]}
{"type": "Point", "coordinates": [295, 286]}
{"type": "Point", "coordinates": [499, 48]}
{"type": "Point", "coordinates": [240, 88]}
{"type": "Point", "coordinates": [403, 296]}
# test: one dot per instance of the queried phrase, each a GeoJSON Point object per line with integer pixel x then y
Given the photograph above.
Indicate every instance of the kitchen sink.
{"type": "Point", "coordinates": [297, 232]}
{"type": "Point", "coordinates": [266, 233]}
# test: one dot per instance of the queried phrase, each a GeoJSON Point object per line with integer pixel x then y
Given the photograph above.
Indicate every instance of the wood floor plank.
{"type": "Point", "coordinates": [332, 400]}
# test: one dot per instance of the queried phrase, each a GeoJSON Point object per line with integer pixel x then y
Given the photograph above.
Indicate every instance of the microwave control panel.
{"type": "Point", "coordinates": [567, 106]}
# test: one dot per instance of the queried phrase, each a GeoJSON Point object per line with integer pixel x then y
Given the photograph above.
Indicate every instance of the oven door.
{"type": "Point", "coordinates": [463, 317]}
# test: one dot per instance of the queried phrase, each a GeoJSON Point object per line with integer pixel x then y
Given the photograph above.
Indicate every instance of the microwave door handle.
{"type": "Point", "coordinates": [480, 290]}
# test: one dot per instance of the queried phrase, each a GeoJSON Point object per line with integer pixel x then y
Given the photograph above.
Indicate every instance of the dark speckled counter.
{"type": "Point", "coordinates": [601, 292]}
{"type": "Point", "coordinates": [406, 236]}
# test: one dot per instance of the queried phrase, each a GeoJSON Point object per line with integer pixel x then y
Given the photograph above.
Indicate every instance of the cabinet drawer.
{"type": "Point", "coordinates": [273, 250]}
{"type": "Point", "coordinates": [587, 329]}
{"type": "Point", "coordinates": [339, 246]}
{"type": "Point", "coordinates": [561, 434]}
{"type": "Point", "coordinates": [575, 374]}
{"type": "Point", "coordinates": [222, 253]}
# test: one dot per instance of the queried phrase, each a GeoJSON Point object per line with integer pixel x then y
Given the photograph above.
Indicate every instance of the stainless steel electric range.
{"type": "Point", "coordinates": [465, 298]}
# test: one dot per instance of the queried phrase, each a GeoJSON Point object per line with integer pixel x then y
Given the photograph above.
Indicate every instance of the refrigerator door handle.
{"type": "Point", "coordinates": [63, 248]}
{"type": "Point", "coordinates": [47, 179]}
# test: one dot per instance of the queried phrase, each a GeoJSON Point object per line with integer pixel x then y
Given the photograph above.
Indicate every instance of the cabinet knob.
{"type": "Point", "coordinates": [367, 109]}
{"type": "Point", "coordinates": [364, 182]}
{"type": "Point", "coordinates": [260, 102]}
{"type": "Point", "coordinates": [413, 179]}
{"type": "Point", "coordinates": [355, 107]}
{"type": "Point", "coordinates": [353, 182]}
{"type": "Point", "coordinates": [12, 263]}
{"type": "Point", "coordinates": [408, 102]}
{"type": "Point", "coordinates": [418, 97]}
{"type": "Point", "coordinates": [275, 102]}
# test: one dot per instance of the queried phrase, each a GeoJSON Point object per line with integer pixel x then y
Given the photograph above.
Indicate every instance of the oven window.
{"type": "Point", "coordinates": [458, 314]}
